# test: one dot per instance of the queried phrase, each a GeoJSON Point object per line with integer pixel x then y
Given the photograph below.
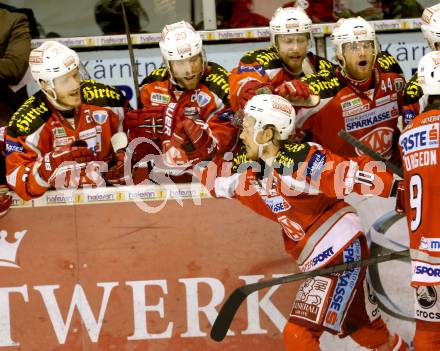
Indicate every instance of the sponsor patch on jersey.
{"type": "Point", "coordinates": [379, 140]}
{"type": "Point", "coordinates": [424, 272]}
{"type": "Point", "coordinates": [427, 306]}
{"type": "Point", "coordinates": [257, 68]}
{"type": "Point", "coordinates": [203, 98]}
{"type": "Point", "coordinates": [319, 258]}
{"type": "Point", "coordinates": [372, 117]}
{"type": "Point", "coordinates": [408, 116]}
{"type": "Point", "coordinates": [59, 132]}
{"type": "Point", "coordinates": [100, 116]}
{"type": "Point", "coordinates": [383, 100]}
{"type": "Point", "coordinates": [398, 83]}
{"type": "Point", "coordinates": [344, 289]}
{"type": "Point", "coordinates": [13, 146]}
{"type": "Point", "coordinates": [311, 299]}
{"type": "Point", "coordinates": [356, 111]}
{"type": "Point", "coordinates": [159, 98]}
{"type": "Point", "coordinates": [88, 133]}
{"type": "Point", "coordinates": [420, 138]}
{"type": "Point", "coordinates": [63, 141]}
{"type": "Point", "coordinates": [349, 104]}
{"type": "Point", "coordinates": [370, 300]}
{"type": "Point", "coordinates": [276, 204]}
{"type": "Point", "coordinates": [430, 244]}
{"type": "Point", "coordinates": [316, 165]}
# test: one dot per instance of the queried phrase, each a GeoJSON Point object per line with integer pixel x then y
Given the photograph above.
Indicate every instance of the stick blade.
{"type": "Point", "coordinates": [226, 314]}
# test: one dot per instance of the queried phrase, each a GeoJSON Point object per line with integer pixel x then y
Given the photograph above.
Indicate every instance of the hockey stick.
{"type": "Point", "coordinates": [134, 70]}
{"type": "Point", "coordinates": [231, 305]}
{"type": "Point", "coordinates": [366, 150]}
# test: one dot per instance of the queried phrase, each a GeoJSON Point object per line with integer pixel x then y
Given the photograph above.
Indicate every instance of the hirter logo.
{"type": "Point", "coordinates": [8, 250]}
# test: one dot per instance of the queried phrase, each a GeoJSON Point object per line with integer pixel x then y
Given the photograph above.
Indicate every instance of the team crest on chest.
{"type": "Point", "coordinates": [100, 116]}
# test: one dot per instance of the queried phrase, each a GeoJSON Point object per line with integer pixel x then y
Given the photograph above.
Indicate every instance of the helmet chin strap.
{"type": "Point", "coordinates": [260, 146]}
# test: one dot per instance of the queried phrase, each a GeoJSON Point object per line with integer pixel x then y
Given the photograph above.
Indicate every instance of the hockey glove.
{"type": "Point", "coordinates": [115, 175]}
{"type": "Point", "coordinates": [252, 88]}
{"type": "Point", "coordinates": [51, 161]}
{"type": "Point", "coordinates": [298, 93]}
{"type": "Point", "coordinates": [203, 145]}
{"type": "Point", "coordinates": [148, 122]}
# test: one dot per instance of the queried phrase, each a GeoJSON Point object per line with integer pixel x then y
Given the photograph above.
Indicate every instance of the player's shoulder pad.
{"type": "Point", "coordinates": [290, 156]}
{"type": "Point", "coordinates": [216, 80]}
{"type": "Point", "coordinates": [320, 63]}
{"type": "Point", "coordinates": [31, 115]}
{"type": "Point", "coordinates": [268, 58]}
{"type": "Point", "coordinates": [412, 91]}
{"type": "Point", "coordinates": [324, 83]}
{"type": "Point", "coordinates": [387, 63]}
{"type": "Point", "coordinates": [157, 75]}
{"type": "Point", "coordinates": [98, 94]}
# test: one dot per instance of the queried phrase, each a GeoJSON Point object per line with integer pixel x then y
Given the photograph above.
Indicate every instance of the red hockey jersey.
{"type": "Point", "coordinates": [420, 149]}
{"type": "Point", "coordinates": [303, 191]}
{"type": "Point", "coordinates": [370, 116]}
{"type": "Point", "coordinates": [37, 128]}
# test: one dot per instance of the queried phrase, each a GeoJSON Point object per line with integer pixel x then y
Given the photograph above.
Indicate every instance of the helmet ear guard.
{"type": "Point", "coordinates": [428, 73]}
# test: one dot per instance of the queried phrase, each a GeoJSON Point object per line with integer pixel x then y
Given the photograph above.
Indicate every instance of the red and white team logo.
{"type": "Point", "coordinates": [292, 229]}
{"type": "Point", "coordinates": [379, 140]}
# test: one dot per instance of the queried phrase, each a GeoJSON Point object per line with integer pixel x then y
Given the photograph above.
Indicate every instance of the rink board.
{"type": "Point", "coordinates": [142, 281]}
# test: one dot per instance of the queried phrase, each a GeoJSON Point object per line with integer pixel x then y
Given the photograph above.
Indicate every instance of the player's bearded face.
{"type": "Point", "coordinates": [188, 72]}
{"type": "Point", "coordinates": [292, 49]}
{"type": "Point", "coordinates": [247, 136]}
{"type": "Point", "coordinates": [359, 59]}
{"type": "Point", "coordinates": [67, 88]}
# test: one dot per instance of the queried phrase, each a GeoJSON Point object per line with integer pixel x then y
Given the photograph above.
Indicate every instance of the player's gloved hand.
{"type": "Point", "coordinates": [196, 132]}
{"type": "Point", "coordinates": [298, 93]}
{"type": "Point", "coordinates": [115, 174]}
{"type": "Point", "coordinates": [400, 197]}
{"type": "Point", "coordinates": [5, 200]}
{"type": "Point", "coordinates": [149, 122]}
{"type": "Point", "coordinates": [52, 160]}
{"type": "Point", "coordinates": [252, 88]}
{"type": "Point", "coordinates": [293, 89]}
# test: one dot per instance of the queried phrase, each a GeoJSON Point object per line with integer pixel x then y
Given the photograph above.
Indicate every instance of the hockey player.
{"type": "Point", "coordinates": [185, 95]}
{"type": "Point", "coordinates": [363, 96]}
{"type": "Point", "coordinates": [420, 149]}
{"type": "Point", "coordinates": [67, 120]}
{"type": "Point", "coordinates": [301, 187]}
{"type": "Point", "coordinates": [414, 99]}
{"type": "Point", "coordinates": [279, 66]}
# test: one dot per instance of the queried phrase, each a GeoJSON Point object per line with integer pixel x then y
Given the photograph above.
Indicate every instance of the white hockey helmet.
{"type": "Point", "coordinates": [179, 41]}
{"type": "Point", "coordinates": [269, 109]}
{"type": "Point", "coordinates": [431, 25]}
{"type": "Point", "coordinates": [52, 60]}
{"type": "Point", "coordinates": [349, 30]}
{"type": "Point", "coordinates": [289, 20]}
{"type": "Point", "coordinates": [428, 73]}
